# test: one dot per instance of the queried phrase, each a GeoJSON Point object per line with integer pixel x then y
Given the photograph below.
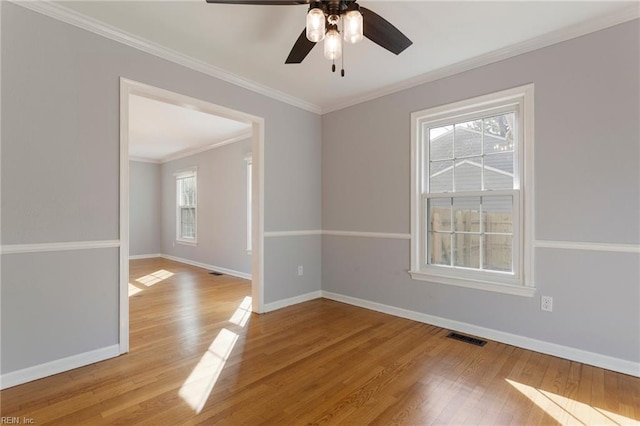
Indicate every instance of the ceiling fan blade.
{"type": "Point", "coordinates": [261, 2]}
{"type": "Point", "coordinates": [380, 31]}
{"type": "Point", "coordinates": [300, 49]}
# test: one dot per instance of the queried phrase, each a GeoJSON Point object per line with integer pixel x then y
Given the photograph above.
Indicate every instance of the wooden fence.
{"type": "Point", "coordinates": [497, 254]}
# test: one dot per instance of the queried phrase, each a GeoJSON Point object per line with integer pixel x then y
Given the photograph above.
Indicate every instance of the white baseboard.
{"type": "Point", "coordinates": [144, 256]}
{"type": "Point", "coordinates": [269, 307]}
{"type": "Point", "coordinates": [226, 271]}
{"type": "Point", "coordinates": [36, 372]}
{"type": "Point", "coordinates": [566, 352]}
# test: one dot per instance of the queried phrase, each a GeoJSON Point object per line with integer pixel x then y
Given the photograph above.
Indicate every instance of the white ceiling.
{"type": "Point", "coordinates": [252, 42]}
{"type": "Point", "coordinates": [160, 131]}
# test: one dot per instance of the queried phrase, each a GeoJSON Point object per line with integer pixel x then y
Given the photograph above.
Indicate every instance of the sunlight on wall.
{"type": "Point", "coordinates": [155, 277]}
{"type": "Point", "coordinates": [568, 411]}
{"type": "Point", "coordinates": [196, 389]}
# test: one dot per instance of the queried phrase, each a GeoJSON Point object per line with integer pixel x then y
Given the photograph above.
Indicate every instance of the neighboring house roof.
{"type": "Point", "coordinates": [472, 163]}
{"type": "Point", "coordinates": [466, 145]}
{"type": "Point", "coordinates": [467, 161]}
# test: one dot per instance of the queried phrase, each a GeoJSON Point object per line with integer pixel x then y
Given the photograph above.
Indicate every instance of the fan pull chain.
{"type": "Point", "coordinates": [333, 66]}
{"type": "Point", "coordinates": [343, 51]}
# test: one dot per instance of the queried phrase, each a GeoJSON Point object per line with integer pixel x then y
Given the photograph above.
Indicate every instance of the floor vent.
{"type": "Point", "coordinates": [216, 273]}
{"type": "Point", "coordinates": [467, 339]}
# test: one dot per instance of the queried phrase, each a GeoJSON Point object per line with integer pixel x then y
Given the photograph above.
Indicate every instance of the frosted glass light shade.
{"type": "Point", "coordinates": [315, 25]}
{"type": "Point", "coordinates": [353, 26]}
{"type": "Point", "coordinates": [332, 45]}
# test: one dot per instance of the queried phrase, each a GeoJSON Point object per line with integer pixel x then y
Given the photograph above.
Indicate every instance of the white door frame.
{"type": "Point", "coordinates": [130, 87]}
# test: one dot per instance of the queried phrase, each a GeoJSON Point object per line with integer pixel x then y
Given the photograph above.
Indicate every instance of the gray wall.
{"type": "Point", "coordinates": [144, 208]}
{"type": "Point", "coordinates": [221, 211]}
{"type": "Point", "coordinates": [60, 177]}
{"type": "Point", "coordinates": [587, 190]}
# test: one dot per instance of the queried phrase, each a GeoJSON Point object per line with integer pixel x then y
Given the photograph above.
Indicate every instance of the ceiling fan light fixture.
{"type": "Point", "coordinates": [332, 44]}
{"type": "Point", "coordinates": [353, 26]}
{"type": "Point", "coordinates": [315, 24]}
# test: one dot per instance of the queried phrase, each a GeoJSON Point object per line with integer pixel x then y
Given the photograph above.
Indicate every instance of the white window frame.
{"type": "Point", "coordinates": [182, 174]}
{"type": "Point", "coordinates": [249, 160]}
{"type": "Point", "coordinates": [521, 281]}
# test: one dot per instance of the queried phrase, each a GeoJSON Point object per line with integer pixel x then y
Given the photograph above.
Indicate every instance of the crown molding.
{"type": "Point", "coordinates": [61, 13]}
{"type": "Point", "coordinates": [545, 40]}
{"type": "Point", "coordinates": [192, 151]}
{"type": "Point", "coordinates": [240, 136]}
{"type": "Point", "coordinates": [144, 160]}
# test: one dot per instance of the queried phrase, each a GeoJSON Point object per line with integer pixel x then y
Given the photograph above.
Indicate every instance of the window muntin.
{"type": "Point", "coordinates": [468, 168]}
{"type": "Point", "coordinates": [186, 203]}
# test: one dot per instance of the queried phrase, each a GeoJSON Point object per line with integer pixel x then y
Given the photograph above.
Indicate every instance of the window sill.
{"type": "Point", "coordinates": [187, 243]}
{"type": "Point", "coordinates": [517, 290]}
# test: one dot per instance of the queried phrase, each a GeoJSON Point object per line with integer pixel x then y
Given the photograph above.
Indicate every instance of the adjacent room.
{"type": "Point", "coordinates": [432, 217]}
{"type": "Point", "coordinates": [186, 165]}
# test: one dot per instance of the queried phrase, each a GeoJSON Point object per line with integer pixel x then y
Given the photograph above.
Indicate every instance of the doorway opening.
{"type": "Point", "coordinates": [133, 90]}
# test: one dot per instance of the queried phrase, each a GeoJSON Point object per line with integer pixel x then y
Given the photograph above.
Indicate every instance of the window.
{"type": "Point", "coordinates": [471, 193]}
{"type": "Point", "coordinates": [186, 201]}
{"type": "Point", "coordinates": [249, 161]}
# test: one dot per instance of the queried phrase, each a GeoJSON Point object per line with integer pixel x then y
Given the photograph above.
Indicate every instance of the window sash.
{"type": "Point", "coordinates": [187, 223]}
{"type": "Point", "coordinates": [426, 125]}
{"type": "Point", "coordinates": [186, 207]}
{"type": "Point", "coordinates": [516, 255]}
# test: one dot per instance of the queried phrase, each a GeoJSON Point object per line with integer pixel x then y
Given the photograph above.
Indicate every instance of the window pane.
{"type": "Point", "coordinates": [468, 174]}
{"type": "Point", "coordinates": [497, 214]}
{"type": "Point", "coordinates": [187, 191]}
{"type": "Point", "coordinates": [441, 176]}
{"type": "Point", "coordinates": [498, 171]}
{"type": "Point", "coordinates": [468, 139]}
{"type": "Point", "coordinates": [441, 143]}
{"type": "Point", "coordinates": [498, 253]}
{"type": "Point", "coordinates": [187, 222]}
{"type": "Point", "coordinates": [439, 248]}
{"type": "Point", "coordinates": [440, 214]}
{"type": "Point", "coordinates": [466, 250]}
{"type": "Point", "coordinates": [466, 213]}
{"type": "Point", "coordinates": [498, 133]}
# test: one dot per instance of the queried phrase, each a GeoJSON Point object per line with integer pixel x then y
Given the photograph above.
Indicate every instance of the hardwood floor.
{"type": "Point", "coordinates": [199, 357]}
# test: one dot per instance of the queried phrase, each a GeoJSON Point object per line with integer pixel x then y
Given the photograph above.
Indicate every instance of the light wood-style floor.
{"type": "Point", "coordinates": [199, 357]}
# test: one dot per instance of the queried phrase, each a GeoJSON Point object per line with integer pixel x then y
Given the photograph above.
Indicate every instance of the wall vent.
{"type": "Point", "coordinates": [467, 339]}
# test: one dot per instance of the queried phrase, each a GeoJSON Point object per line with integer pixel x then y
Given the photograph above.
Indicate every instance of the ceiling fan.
{"type": "Point", "coordinates": [325, 20]}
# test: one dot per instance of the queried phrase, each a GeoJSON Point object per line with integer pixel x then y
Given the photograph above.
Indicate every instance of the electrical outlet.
{"type": "Point", "coordinates": [546, 303]}
{"type": "Point", "coordinates": [300, 271]}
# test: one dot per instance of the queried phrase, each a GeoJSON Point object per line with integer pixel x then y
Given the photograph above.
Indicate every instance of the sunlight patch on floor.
{"type": "Point", "coordinates": [133, 290]}
{"type": "Point", "coordinates": [567, 411]}
{"type": "Point", "coordinates": [155, 277]}
{"type": "Point", "coordinates": [243, 313]}
{"type": "Point", "coordinates": [196, 389]}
